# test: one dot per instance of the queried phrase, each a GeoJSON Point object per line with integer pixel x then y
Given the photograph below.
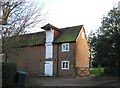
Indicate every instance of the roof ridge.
{"type": "Point", "coordinates": [28, 34]}
{"type": "Point", "coordinates": [71, 26]}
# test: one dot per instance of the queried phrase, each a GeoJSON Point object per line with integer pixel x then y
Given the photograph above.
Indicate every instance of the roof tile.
{"type": "Point", "coordinates": [67, 34]}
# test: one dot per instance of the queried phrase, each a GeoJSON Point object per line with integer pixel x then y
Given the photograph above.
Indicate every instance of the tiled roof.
{"type": "Point", "coordinates": [28, 39]}
{"type": "Point", "coordinates": [67, 34]}
{"type": "Point", "coordinates": [32, 39]}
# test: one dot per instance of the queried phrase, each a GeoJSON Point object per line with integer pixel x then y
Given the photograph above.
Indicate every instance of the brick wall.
{"type": "Point", "coordinates": [63, 56]}
{"type": "Point", "coordinates": [82, 51]}
{"type": "Point", "coordinates": [30, 59]}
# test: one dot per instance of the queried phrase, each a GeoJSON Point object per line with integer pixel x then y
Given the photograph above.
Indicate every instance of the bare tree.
{"type": "Point", "coordinates": [17, 17]}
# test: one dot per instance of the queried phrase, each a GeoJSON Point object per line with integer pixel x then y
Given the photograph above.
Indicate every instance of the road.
{"type": "Point", "coordinates": [78, 81]}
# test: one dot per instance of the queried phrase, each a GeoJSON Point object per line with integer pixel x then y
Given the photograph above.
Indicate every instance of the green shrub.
{"type": "Point", "coordinates": [97, 70]}
{"type": "Point", "coordinates": [9, 74]}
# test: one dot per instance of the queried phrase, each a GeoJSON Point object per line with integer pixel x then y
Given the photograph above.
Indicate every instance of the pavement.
{"type": "Point", "coordinates": [78, 81]}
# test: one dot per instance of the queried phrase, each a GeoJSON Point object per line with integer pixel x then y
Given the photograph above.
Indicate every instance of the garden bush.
{"type": "Point", "coordinates": [97, 70]}
{"type": "Point", "coordinates": [114, 71]}
{"type": "Point", "coordinates": [9, 75]}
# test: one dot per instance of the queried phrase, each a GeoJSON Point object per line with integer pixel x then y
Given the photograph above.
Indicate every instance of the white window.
{"type": "Point", "coordinates": [83, 35]}
{"type": "Point", "coordinates": [65, 47]}
{"type": "Point", "coordinates": [65, 65]}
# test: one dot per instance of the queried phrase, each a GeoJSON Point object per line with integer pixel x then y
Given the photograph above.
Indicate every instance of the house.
{"type": "Point", "coordinates": [54, 52]}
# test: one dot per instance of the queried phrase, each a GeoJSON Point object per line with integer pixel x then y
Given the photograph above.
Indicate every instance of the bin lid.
{"type": "Point", "coordinates": [21, 72]}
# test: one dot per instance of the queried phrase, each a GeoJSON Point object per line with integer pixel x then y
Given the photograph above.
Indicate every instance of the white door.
{"type": "Point", "coordinates": [48, 68]}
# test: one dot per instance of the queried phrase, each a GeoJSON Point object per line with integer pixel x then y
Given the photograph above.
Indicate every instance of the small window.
{"type": "Point", "coordinates": [65, 64]}
{"type": "Point", "coordinates": [83, 35]}
{"type": "Point", "coordinates": [65, 47]}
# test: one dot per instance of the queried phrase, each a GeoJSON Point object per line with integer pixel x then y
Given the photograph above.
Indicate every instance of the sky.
{"type": "Point", "coordinates": [66, 13]}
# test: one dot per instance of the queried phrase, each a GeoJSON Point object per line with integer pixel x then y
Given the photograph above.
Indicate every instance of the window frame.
{"type": "Point", "coordinates": [64, 44]}
{"type": "Point", "coordinates": [65, 64]}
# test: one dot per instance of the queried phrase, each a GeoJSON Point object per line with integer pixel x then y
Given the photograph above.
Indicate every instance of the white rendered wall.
{"type": "Point", "coordinates": [49, 50]}
{"type": "Point", "coordinates": [49, 36]}
{"type": "Point", "coordinates": [49, 46]}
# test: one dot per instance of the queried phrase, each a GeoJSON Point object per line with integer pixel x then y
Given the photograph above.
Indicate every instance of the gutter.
{"type": "Point", "coordinates": [64, 42]}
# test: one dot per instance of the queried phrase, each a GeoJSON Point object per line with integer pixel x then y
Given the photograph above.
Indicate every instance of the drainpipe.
{"type": "Point", "coordinates": [57, 58]}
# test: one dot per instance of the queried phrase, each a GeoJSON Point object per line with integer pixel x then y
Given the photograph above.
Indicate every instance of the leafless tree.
{"type": "Point", "coordinates": [17, 17]}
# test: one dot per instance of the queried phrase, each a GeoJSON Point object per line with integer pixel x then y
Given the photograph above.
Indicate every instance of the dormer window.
{"type": "Point", "coordinates": [65, 47]}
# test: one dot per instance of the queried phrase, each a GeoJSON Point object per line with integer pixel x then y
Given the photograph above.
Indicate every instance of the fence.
{"type": "Point", "coordinates": [85, 71]}
{"type": "Point", "coordinates": [82, 71]}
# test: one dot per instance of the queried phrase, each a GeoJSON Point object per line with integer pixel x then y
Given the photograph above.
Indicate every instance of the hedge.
{"type": "Point", "coordinates": [9, 74]}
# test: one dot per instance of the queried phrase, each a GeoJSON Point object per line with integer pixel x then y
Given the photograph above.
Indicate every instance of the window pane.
{"type": "Point", "coordinates": [66, 64]}
{"type": "Point", "coordinates": [63, 64]}
{"type": "Point", "coordinates": [66, 46]}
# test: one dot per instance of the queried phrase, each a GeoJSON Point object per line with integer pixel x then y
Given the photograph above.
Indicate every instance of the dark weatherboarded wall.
{"type": "Point", "coordinates": [29, 59]}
